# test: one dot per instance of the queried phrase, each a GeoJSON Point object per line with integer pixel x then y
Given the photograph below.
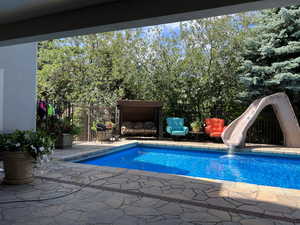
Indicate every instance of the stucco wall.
{"type": "Point", "coordinates": [18, 87]}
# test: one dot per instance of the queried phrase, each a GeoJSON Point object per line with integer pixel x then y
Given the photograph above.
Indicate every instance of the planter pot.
{"type": "Point", "coordinates": [196, 129]}
{"type": "Point", "coordinates": [17, 167]}
{"type": "Point", "coordinates": [64, 141]}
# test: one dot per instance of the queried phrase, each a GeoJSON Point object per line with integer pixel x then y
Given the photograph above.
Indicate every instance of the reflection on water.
{"type": "Point", "coordinates": [230, 158]}
{"type": "Point", "coordinates": [230, 153]}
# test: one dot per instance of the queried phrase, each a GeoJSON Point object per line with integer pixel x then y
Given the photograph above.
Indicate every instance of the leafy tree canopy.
{"type": "Point", "coordinates": [192, 70]}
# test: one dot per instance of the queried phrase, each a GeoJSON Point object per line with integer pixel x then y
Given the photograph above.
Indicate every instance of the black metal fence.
{"type": "Point", "coordinates": [261, 132]}
{"type": "Point", "coordinates": [266, 129]}
{"type": "Point", "coordinates": [265, 132]}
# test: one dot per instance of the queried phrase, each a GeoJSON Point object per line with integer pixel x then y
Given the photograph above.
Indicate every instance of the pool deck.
{"type": "Point", "coordinates": [120, 196]}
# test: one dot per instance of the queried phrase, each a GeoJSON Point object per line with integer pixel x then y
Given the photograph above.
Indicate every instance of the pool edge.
{"type": "Point", "coordinates": [100, 152]}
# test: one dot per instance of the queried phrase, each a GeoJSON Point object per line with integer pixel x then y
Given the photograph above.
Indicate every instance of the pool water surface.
{"type": "Point", "coordinates": [249, 168]}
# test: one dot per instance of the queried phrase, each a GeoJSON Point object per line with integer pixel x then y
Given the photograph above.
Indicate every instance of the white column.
{"type": "Point", "coordinates": [18, 87]}
{"type": "Point", "coordinates": [1, 98]}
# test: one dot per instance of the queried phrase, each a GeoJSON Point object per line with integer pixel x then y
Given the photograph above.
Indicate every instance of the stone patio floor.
{"type": "Point", "coordinates": [112, 196]}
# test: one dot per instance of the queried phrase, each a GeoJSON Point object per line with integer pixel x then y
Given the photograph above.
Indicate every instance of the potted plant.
{"type": "Point", "coordinates": [63, 131]}
{"type": "Point", "coordinates": [20, 150]}
{"type": "Point", "coordinates": [196, 126]}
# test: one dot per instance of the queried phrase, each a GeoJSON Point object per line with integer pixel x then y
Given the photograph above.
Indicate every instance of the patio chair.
{"type": "Point", "coordinates": [214, 127]}
{"type": "Point", "coordinates": [176, 126]}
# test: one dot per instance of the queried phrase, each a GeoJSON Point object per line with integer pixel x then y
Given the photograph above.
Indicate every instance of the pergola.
{"type": "Point", "coordinates": [140, 111]}
{"type": "Point", "coordinates": [28, 21]}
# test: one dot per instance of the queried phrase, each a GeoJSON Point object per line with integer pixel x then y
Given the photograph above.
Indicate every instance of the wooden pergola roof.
{"type": "Point", "coordinates": [139, 103]}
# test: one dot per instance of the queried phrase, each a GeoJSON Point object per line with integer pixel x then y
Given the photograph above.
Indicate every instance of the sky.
{"type": "Point", "coordinates": [170, 28]}
{"type": "Point", "coordinates": [167, 29]}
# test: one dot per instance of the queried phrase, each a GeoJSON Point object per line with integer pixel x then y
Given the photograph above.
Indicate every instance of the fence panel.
{"type": "Point", "coordinates": [265, 131]}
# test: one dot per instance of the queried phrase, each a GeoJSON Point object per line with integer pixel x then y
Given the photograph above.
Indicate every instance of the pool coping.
{"type": "Point", "coordinates": [77, 158]}
{"type": "Point", "coordinates": [96, 153]}
{"type": "Point", "coordinates": [249, 150]}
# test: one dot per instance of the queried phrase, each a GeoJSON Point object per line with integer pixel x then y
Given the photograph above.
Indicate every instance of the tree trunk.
{"type": "Point", "coordinates": [89, 123]}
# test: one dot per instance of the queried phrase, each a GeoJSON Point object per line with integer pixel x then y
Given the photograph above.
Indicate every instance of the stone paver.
{"type": "Point", "coordinates": [93, 206]}
{"type": "Point", "coordinates": [119, 196]}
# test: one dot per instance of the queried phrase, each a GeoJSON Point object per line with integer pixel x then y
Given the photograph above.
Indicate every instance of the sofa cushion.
{"type": "Point", "coordinates": [150, 131]}
{"type": "Point", "coordinates": [215, 134]}
{"type": "Point", "coordinates": [138, 125]}
{"type": "Point", "coordinates": [149, 125]}
{"type": "Point", "coordinates": [177, 132]}
{"type": "Point", "coordinates": [127, 124]}
{"type": "Point", "coordinates": [135, 131]}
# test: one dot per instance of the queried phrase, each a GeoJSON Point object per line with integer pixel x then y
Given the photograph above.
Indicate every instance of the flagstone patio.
{"type": "Point", "coordinates": [106, 195]}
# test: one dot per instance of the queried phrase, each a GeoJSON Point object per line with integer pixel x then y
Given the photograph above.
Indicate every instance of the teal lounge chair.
{"type": "Point", "coordinates": [176, 126]}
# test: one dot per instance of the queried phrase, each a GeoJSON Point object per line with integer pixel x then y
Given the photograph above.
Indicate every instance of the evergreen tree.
{"type": "Point", "coordinates": [272, 57]}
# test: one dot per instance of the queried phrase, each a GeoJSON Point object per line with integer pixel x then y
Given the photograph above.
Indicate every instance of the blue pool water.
{"type": "Point", "coordinates": [249, 168]}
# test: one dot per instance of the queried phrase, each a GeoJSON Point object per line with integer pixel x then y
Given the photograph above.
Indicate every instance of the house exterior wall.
{"type": "Point", "coordinates": [18, 87]}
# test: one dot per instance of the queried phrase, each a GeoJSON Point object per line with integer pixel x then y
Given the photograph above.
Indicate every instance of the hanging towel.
{"type": "Point", "coordinates": [51, 110]}
{"type": "Point", "coordinates": [42, 108]}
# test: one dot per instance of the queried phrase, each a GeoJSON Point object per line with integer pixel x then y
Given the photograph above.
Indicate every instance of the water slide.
{"type": "Point", "coordinates": [235, 133]}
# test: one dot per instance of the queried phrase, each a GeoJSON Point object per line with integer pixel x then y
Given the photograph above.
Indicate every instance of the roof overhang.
{"type": "Point", "coordinates": [22, 23]}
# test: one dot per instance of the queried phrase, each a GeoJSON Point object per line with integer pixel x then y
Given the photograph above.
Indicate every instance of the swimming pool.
{"type": "Point", "coordinates": [249, 168]}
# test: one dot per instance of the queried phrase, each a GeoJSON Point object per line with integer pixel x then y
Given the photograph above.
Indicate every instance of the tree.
{"type": "Point", "coordinates": [213, 53]}
{"type": "Point", "coordinates": [272, 58]}
{"type": "Point", "coordinates": [55, 72]}
{"type": "Point", "coordinates": [192, 69]}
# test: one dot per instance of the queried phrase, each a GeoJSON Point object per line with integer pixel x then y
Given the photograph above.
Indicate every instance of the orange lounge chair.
{"type": "Point", "coordinates": [214, 127]}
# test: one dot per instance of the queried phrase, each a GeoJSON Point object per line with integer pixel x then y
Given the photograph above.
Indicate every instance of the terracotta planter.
{"type": "Point", "coordinates": [196, 129]}
{"type": "Point", "coordinates": [18, 168]}
{"type": "Point", "coordinates": [64, 141]}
